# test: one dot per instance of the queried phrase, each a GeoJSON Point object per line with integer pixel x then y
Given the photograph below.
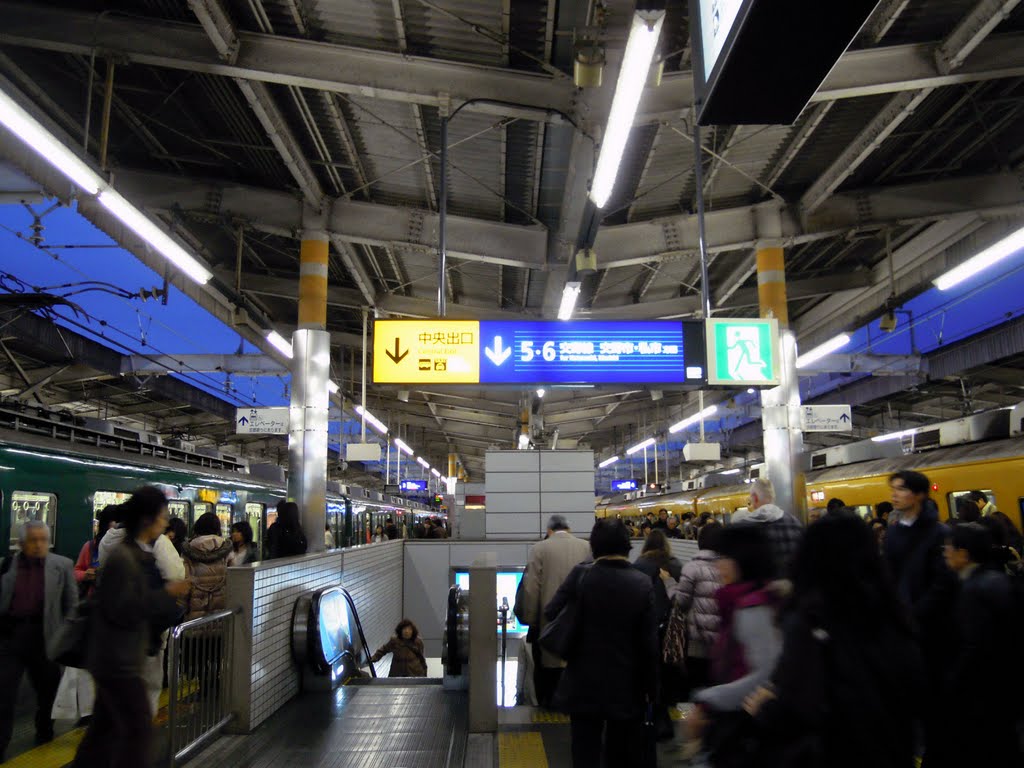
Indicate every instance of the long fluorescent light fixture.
{"type": "Point", "coordinates": [730, 471]}
{"type": "Point", "coordinates": [819, 352]}
{"type": "Point", "coordinates": [679, 426]}
{"type": "Point", "coordinates": [423, 462]}
{"type": "Point", "coordinates": [435, 473]}
{"type": "Point", "coordinates": [144, 227]}
{"type": "Point", "coordinates": [46, 145]}
{"type": "Point", "coordinates": [570, 293]}
{"type": "Point", "coordinates": [636, 65]}
{"type": "Point", "coordinates": [373, 420]}
{"type": "Point", "coordinates": [891, 436]}
{"type": "Point", "coordinates": [994, 253]}
{"type": "Point", "coordinates": [608, 462]}
{"type": "Point", "coordinates": [280, 343]}
{"type": "Point", "coordinates": [640, 446]}
{"type": "Point", "coordinates": [400, 445]}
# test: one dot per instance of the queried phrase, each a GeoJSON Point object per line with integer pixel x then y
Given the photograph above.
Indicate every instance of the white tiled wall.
{"type": "Point", "coordinates": [266, 594]}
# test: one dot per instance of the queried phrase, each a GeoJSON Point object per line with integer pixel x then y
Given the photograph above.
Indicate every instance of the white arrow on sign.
{"type": "Point", "coordinates": [500, 353]}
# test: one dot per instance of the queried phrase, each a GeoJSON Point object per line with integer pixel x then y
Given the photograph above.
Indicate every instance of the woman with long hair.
{"type": "Point", "coordinates": [243, 551]}
{"type": "Point", "coordinates": [848, 648]}
{"type": "Point", "coordinates": [133, 606]}
{"type": "Point", "coordinates": [285, 537]}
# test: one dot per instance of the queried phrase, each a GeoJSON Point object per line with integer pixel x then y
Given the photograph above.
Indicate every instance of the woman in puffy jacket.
{"type": "Point", "coordinates": [406, 649]}
{"type": "Point", "coordinates": [206, 565]}
{"type": "Point", "coordinates": [694, 594]}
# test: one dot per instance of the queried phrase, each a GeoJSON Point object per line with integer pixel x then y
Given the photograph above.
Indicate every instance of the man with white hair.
{"type": "Point", "coordinates": [783, 530]}
{"type": "Point", "coordinates": [37, 593]}
{"type": "Point", "coordinates": [550, 562]}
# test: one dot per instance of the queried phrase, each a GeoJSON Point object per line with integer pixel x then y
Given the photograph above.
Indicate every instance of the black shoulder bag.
{"type": "Point", "coordinates": [561, 635]}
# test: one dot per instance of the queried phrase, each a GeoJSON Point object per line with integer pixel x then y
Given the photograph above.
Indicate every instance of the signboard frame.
{"type": "Point", "coordinates": [397, 343]}
{"type": "Point", "coordinates": [841, 413]}
{"type": "Point", "coordinates": [413, 485]}
{"type": "Point", "coordinates": [711, 351]}
{"type": "Point", "coordinates": [625, 484]}
{"type": "Point", "coordinates": [262, 421]}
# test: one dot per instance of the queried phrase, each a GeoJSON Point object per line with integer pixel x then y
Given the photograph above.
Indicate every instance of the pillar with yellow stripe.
{"type": "Point", "coordinates": [310, 401]}
{"type": "Point", "coordinates": [780, 407]}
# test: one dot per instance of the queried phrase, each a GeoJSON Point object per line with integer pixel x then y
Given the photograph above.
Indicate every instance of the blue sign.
{"type": "Point", "coordinates": [412, 485]}
{"type": "Point", "coordinates": [591, 352]}
{"type": "Point", "coordinates": [624, 485]}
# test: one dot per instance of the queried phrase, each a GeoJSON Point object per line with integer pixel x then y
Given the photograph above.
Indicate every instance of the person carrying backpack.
{"type": "Point", "coordinates": [285, 537]}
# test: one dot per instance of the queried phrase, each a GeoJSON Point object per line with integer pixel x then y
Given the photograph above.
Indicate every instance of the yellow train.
{"type": "Point", "coordinates": [995, 467]}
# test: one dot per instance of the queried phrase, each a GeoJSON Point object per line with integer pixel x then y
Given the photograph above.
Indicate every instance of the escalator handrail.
{"type": "Point", "coordinates": [359, 628]}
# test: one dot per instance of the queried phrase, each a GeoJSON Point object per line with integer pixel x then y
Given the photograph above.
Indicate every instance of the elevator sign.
{"type": "Point", "coordinates": [743, 352]}
{"type": "Point", "coordinates": [538, 352]}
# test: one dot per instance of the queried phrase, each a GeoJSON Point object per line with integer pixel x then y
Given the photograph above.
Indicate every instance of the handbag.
{"type": "Point", "coordinates": [559, 636]}
{"type": "Point", "coordinates": [70, 647]}
{"type": "Point", "coordinates": [673, 647]}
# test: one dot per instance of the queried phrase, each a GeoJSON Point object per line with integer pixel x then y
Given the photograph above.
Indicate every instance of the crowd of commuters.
{"type": "Point", "coordinates": [849, 641]}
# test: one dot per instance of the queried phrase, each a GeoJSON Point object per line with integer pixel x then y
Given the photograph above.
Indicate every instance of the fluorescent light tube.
{"type": "Point", "coordinates": [891, 436]}
{"type": "Point", "coordinates": [570, 293]}
{"type": "Point", "coordinates": [540, 392]}
{"type": "Point", "coordinates": [636, 64]}
{"type": "Point", "coordinates": [46, 145]}
{"type": "Point", "coordinates": [279, 343]}
{"type": "Point", "coordinates": [819, 352]}
{"type": "Point", "coordinates": [332, 387]}
{"type": "Point", "coordinates": [372, 420]}
{"type": "Point", "coordinates": [435, 473]}
{"type": "Point", "coordinates": [423, 462]}
{"type": "Point", "coordinates": [640, 446]}
{"type": "Point", "coordinates": [991, 255]}
{"type": "Point", "coordinates": [400, 445]}
{"type": "Point", "coordinates": [145, 228]}
{"type": "Point", "coordinates": [608, 462]}
{"type": "Point", "coordinates": [730, 472]}
{"type": "Point", "coordinates": [679, 426]}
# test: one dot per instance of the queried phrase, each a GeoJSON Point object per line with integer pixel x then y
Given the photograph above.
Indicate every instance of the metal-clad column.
{"type": "Point", "coordinates": [780, 406]}
{"type": "Point", "coordinates": [311, 365]}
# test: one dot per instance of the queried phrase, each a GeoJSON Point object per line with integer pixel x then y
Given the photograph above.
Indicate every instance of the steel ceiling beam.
{"type": "Point", "coordinates": [250, 365]}
{"type": "Point", "coordinates": [285, 61]}
{"type": "Point", "coordinates": [882, 18]}
{"type": "Point", "coordinates": [969, 33]}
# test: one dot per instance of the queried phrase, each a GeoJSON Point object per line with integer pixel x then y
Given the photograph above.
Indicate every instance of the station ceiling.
{"type": "Point", "coordinates": [230, 117]}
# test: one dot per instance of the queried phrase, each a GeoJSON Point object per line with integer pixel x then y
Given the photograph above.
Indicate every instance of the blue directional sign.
{"type": "Point", "coordinates": [412, 485]}
{"type": "Point", "coordinates": [591, 352]}
{"type": "Point", "coordinates": [624, 485]}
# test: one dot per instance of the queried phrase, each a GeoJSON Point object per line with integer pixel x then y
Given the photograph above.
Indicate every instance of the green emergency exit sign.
{"type": "Point", "coordinates": [742, 352]}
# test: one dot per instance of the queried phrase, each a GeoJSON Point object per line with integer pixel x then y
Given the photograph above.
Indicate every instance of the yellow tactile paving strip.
{"type": "Point", "coordinates": [521, 749]}
{"type": "Point", "coordinates": [61, 751]}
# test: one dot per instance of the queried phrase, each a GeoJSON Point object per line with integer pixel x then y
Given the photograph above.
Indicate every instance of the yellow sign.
{"type": "Point", "coordinates": [426, 351]}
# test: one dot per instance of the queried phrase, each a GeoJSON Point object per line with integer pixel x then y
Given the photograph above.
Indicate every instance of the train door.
{"type": "Point", "coordinates": [181, 509]}
{"type": "Point", "coordinates": [226, 514]}
{"type": "Point", "coordinates": [255, 515]}
{"type": "Point", "coordinates": [335, 523]}
{"type": "Point", "coordinates": [102, 499]}
{"type": "Point", "coordinates": [199, 508]}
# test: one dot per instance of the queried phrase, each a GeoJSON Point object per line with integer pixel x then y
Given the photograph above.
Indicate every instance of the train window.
{"type": "Point", "coordinates": [254, 516]}
{"type": "Point", "coordinates": [180, 508]}
{"type": "Point", "coordinates": [200, 508]}
{"type": "Point", "coordinates": [102, 499]}
{"type": "Point", "coordinates": [33, 505]}
{"type": "Point", "coordinates": [955, 496]}
{"type": "Point", "coordinates": [225, 513]}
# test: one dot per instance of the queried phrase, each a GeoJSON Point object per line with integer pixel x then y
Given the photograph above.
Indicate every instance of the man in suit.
{"type": "Point", "coordinates": [37, 593]}
{"type": "Point", "coordinates": [550, 562]}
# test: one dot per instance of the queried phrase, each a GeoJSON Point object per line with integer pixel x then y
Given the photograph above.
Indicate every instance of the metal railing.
{"type": "Point", "coordinates": [199, 665]}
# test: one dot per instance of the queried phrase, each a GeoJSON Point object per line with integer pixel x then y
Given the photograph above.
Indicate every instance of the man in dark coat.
{"type": "Point", "coordinates": [985, 667]}
{"type": "Point", "coordinates": [914, 553]}
{"type": "Point", "coordinates": [612, 671]}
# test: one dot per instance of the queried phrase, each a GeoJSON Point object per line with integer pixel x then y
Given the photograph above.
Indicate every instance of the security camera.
{"type": "Point", "coordinates": [888, 322]}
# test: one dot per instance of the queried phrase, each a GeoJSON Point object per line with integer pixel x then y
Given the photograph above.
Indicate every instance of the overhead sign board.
{"type": "Point", "coordinates": [261, 421]}
{"type": "Point", "coordinates": [826, 418]}
{"type": "Point", "coordinates": [624, 485]}
{"type": "Point", "coordinates": [760, 61]}
{"type": "Point", "coordinates": [538, 352]}
{"type": "Point", "coordinates": [743, 352]}
{"type": "Point", "coordinates": [412, 485]}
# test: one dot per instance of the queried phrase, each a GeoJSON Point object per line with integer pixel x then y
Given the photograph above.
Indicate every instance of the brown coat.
{"type": "Point", "coordinates": [407, 658]}
{"type": "Point", "coordinates": [206, 563]}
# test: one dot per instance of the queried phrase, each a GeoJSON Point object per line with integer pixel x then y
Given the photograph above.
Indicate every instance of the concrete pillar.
{"type": "Point", "coordinates": [483, 647]}
{"type": "Point", "coordinates": [780, 406]}
{"type": "Point", "coordinates": [311, 365]}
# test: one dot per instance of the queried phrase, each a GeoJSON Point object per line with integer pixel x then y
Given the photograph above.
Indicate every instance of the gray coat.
{"type": "Point", "coordinates": [61, 594]}
{"type": "Point", "coordinates": [695, 595]}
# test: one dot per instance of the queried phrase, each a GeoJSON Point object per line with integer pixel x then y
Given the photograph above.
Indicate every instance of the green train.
{"type": "Point", "coordinates": [65, 472]}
